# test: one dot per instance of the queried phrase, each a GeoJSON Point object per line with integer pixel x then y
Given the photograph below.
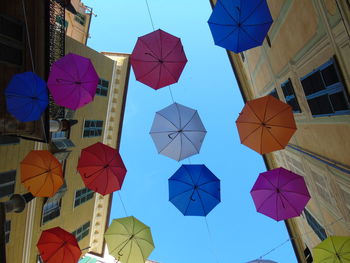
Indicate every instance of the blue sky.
{"type": "Point", "coordinates": [238, 232]}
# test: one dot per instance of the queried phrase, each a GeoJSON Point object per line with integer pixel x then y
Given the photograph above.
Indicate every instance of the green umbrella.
{"type": "Point", "coordinates": [335, 249]}
{"type": "Point", "coordinates": [129, 240]}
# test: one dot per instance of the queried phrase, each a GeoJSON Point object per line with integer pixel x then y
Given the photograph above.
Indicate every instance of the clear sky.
{"type": "Point", "coordinates": [238, 232]}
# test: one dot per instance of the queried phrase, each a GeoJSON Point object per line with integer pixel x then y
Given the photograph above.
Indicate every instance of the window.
{"type": "Point", "coordinates": [80, 18]}
{"type": "Point", "coordinates": [62, 144]}
{"type": "Point", "coordinates": [268, 40]}
{"type": "Point", "coordinates": [316, 227]}
{"type": "Point", "coordinates": [308, 255]}
{"type": "Point", "coordinates": [51, 210]}
{"type": "Point", "coordinates": [62, 22]}
{"type": "Point", "coordinates": [92, 128]}
{"type": "Point", "coordinates": [7, 231]}
{"type": "Point", "coordinates": [102, 88]}
{"type": "Point", "coordinates": [6, 140]}
{"type": "Point", "coordinates": [322, 185]}
{"type": "Point", "coordinates": [82, 231]}
{"type": "Point", "coordinates": [242, 56]}
{"type": "Point", "coordinates": [274, 93]}
{"type": "Point", "coordinates": [82, 195]}
{"type": "Point", "coordinates": [325, 91]}
{"type": "Point", "coordinates": [290, 96]}
{"type": "Point", "coordinates": [7, 183]}
{"type": "Point", "coordinates": [11, 41]}
{"type": "Point", "coordinates": [39, 260]}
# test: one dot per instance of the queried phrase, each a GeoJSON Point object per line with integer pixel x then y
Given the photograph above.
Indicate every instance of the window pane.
{"type": "Point", "coordinates": [11, 29]}
{"type": "Point", "coordinates": [87, 124]}
{"type": "Point", "coordinates": [313, 83]}
{"type": "Point", "coordinates": [11, 55]}
{"type": "Point", "coordinates": [316, 227]}
{"type": "Point", "coordinates": [104, 92]}
{"type": "Point", "coordinates": [338, 101]}
{"type": "Point", "coordinates": [295, 105]}
{"type": "Point", "coordinates": [274, 94]}
{"type": "Point", "coordinates": [99, 123]}
{"type": "Point", "coordinates": [330, 75]}
{"type": "Point", "coordinates": [105, 83]}
{"type": "Point", "coordinates": [9, 140]}
{"type": "Point", "coordinates": [320, 105]}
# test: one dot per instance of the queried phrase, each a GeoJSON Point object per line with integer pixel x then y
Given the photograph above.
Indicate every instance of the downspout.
{"type": "Point", "coordinates": [87, 33]}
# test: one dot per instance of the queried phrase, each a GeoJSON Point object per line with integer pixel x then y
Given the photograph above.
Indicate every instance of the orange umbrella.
{"type": "Point", "coordinates": [266, 124]}
{"type": "Point", "coordinates": [41, 173]}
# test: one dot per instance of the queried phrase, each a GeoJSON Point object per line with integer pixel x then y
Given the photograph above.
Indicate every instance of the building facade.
{"type": "Point", "coordinates": [74, 208]}
{"type": "Point", "coordinates": [304, 61]}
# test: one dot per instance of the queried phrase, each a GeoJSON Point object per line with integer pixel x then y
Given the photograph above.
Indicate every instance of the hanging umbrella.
{"type": "Point", "coordinates": [101, 168]}
{"type": "Point", "coordinates": [73, 81]}
{"type": "Point", "coordinates": [158, 59]}
{"type": "Point", "coordinates": [56, 245]}
{"type": "Point", "coordinates": [26, 96]}
{"type": "Point", "coordinates": [266, 124]}
{"type": "Point", "coordinates": [41, 173]}
{"type": "Point", "coordinates": [240, 25]}
{"type": "Point", "coordinates": [194, 190]}
{"type": "Point", "coordinates": [335, 249]}
{"type": "Point", "coordinates": [129, 240]}
{"type": "Point", "coordinates": [280, 194]}
{"type": "Point", "coordinates": [177, 131]}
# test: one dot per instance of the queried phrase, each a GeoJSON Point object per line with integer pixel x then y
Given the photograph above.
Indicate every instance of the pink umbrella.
{"type": "Point", "coordinates": [280, 194]}
{"type": "Point", "coordinates": [73, 81]}
{"type": "Point", "coordinates": [158, 59]}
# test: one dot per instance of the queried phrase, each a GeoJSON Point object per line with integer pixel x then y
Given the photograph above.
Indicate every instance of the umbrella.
{"type": "Point", "coordinates": [26, 96]}
{"type": "Point", "coordinates": [101, 168]}
{"type": "Point", "coordinates": [280, 194]}
{"type": "Point", "coordinates": [177, 131]}
{"type": "Point", "coordinates": [194, 190]}
{"type": "Point", "coordinates": [266, 124]}
{"type": "Point", "coordinates": [335, 249]}
{"type": "Point", "coordinates": [129, 240]}
{"type": "Point", "coordinates": [56, 245]}
{"type": "Point", "coordinates": [158, 59]}
{"type": "Point", "coordinates": [41, 173]}
{"type": "Point", "coordinates": [73, 81]}
{"type": "Point", "coordinates": [240, 25]}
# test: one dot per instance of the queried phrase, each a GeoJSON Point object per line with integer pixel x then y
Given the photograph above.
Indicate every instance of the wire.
{"type": "Point", "coordinates": [121, 200]}
{"type": "Point", "coordinates": [150, 16]}
{"type": "Point", "coordinates": [211, 241]}
{"type": "Point", "coordinates": [171, 94]}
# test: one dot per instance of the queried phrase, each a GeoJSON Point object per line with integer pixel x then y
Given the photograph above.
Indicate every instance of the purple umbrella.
{"type": "Point", "coordinates": [73, 81]}
{"type": "Point", "coordinates": [280, 194]}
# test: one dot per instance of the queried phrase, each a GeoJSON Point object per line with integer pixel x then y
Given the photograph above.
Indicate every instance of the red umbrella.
{"type": "Point", "coordinates": [56, 245]}
{"type": "Point", "coordinates": [158, 59]}
{"type": "Point", "coordinates": [101, 168]}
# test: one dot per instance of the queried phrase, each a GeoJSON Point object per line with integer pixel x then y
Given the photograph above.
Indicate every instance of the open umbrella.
{"type": "Point", "coordinates": [41, 173]}
{"type": "Point", "coordinates": [158, 59]}
{"type": "Point", "coordinates": [26, 96]}
{"type": "Point", "coordinates": [129, 240]}
{"type": "Point", "coordinates": [177, 131]}
{"type": "Point", "coordinates": [335, 249]}
{"type": "Point", "coordinates": [56, 245]}
{"type": "Point", "coordinates": [194, 190]}
{"type": "Point", "coordinates": [266, 124]}
{"type": "Point", "coordinates": [240, 25]}
{"type": "Point", "coordinates": [101, 168]}
{"type": "Point", "coordinates": [280, 194]}
{"type": "Point", "coordinates": [73, 81]}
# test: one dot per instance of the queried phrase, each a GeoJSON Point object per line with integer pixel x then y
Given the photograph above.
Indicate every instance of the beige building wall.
{"type": "Point", "coordinates": [305, 35]}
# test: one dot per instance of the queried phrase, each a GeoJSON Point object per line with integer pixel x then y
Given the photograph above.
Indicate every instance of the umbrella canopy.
{"type": "Point", "coordinates": [280, 194]}
{"type": "Point", "coordinates": [26, 96]}
{"type": "Point", "coordinates": [56, 245]}
{"type": "Point", "coordinates": [101, 168]}
{"type": "Point", "coordinates": [335, 249]}
{"type": "Point", "coordinates": [41, 173]}
{"type": "Point", "coordinates": [194, 190]}
{"type": "Point", "coordinates": [158, 59]}
{"type": "Point", "coordinates": [73, 81]}
{"type": "Point", "coordinates": [240, 25]}
{"type": "Point", "coordinates": [177, 132]}
{"type": "Point", "coordinates": [266, 124]}
{"type": "Point", "coordinates": [129, 240]}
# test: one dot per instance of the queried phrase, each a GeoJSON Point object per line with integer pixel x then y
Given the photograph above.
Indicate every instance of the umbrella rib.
{"type": "Point", "coordinates": [256, 7]}
{"type": "Point", "coordinates": [180, 153]}
{"type": "Point", "coordinates": [286, 200]}
{"type": "Point", "coordinates": [157, 65]}
{"type": "Point", "coordinates": [275, 138]}
{"type": "Point", "coordinates": [224, 7]}
{"type": "Point", "coordinates": [160, 73]}
{"type": "Point", "coordinates": [93, 153]}
{"type": "Point", "coordinates": [70, 251]}
{"type": "Point", "coordinates": [28, 179]}
{"type": "Point", "coordinates": [190, 142]}
{"type": "Point", "coordinates": [257, 24]}
{"type": "Point", "coordinates": [107, 170]}
{"type": "Point", "coordinates": [67, 72]}
{"type": "Point", "coordinates": [171, 51]}
{"type": "Point", "coordinates": [295, 178]}
{"type": "Point", "coordinates": [194, 113]}
{"type": "Point", "coordinates": [177, 128]}
{"type": "Point", "coordinates": [258, 208]}
{"type": "Point", "coordinates": [200, 199]}
{"type": "Point", "coordinates": [144, 240]}
{"type": "Point", "coordinates": [286, 191]}
{"type": "Point", "coordinates": [189, 174]}
{"type": "Point", "coordinates": [179, 115]}
{"type": "Point", "coordinates": [177, 195]}
{"type": "Point", "coordinates": [171, 74]}
{"type": "Point", "coordinates": [209, 182]}
{"type": "Point", "coordinates": [143, 256]}
{"type": "Point", "coordinates": [148, 47]}
{"type": "Point", "coordinates": [229, 34]}
{"type": "Point", "coordinates": [168, 143]}
{"type": "Point", "coordinates": [249, 134]}
{"type": "Point", "coordinates": [251, 109]}
{"type": "Point", "coordinates": [282, 110]}
{"type": "Point", "coordinates": [217, 24]}
{"type": "Point", "coordinates": [207, 193]}
{"type": "Point", "coordinates": [180, 181]}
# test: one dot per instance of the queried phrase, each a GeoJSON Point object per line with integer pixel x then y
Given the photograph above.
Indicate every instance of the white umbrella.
{"type": "Point", "coordinates": [177, 131]}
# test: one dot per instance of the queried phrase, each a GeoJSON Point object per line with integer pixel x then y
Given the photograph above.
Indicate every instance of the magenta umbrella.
{"type": "Point", "coordinates": [158, 59]}
{"type": "Point", "coordinates": [73, 81]}
{"type": "Point", "coordinates": [280, 194]}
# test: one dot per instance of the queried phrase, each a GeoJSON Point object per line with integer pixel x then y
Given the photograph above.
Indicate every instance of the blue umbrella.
{"type": "Point", "coordinates": [26, 96]}
{"type": "Point", "coordinates": [238, 25]}
{"type": "Point", "coordinates": [194, 190]}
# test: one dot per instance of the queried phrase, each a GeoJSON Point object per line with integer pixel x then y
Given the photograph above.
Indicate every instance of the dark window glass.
{"type": "Point", "coordinates": [80, 18]}
{"type": "Point", "coordinates": [7, 183]}
{"type": "Point", "coordinates": [51, 210]}
{"type": "Point", "coordinates": [83, 195]}
{"type": "Point", "coordinates": [11, 29]}
{"type": "Point", "coordinates": [313, 83]}
{"type": "Point", "coordinates": [316, 227]}
{"type": "Point", "coordinates": [11, 55]}
{"type": "Point", "coordinates": [274, 94]}
{"type": "Point", "coordinates": [308, 255]}
{"type": "Point", "coordinates": [289, 94]}
{"type": "Point", "coordinates": [5, 140]}
{"type": "Point", "coordinates": [329, 75]}
{"type": "Point", "coordinates": [320, 105]}
{"type": "Point", "coordinates": [338, 101]}
{"type": "Point", "coordinates": [82, 231]}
